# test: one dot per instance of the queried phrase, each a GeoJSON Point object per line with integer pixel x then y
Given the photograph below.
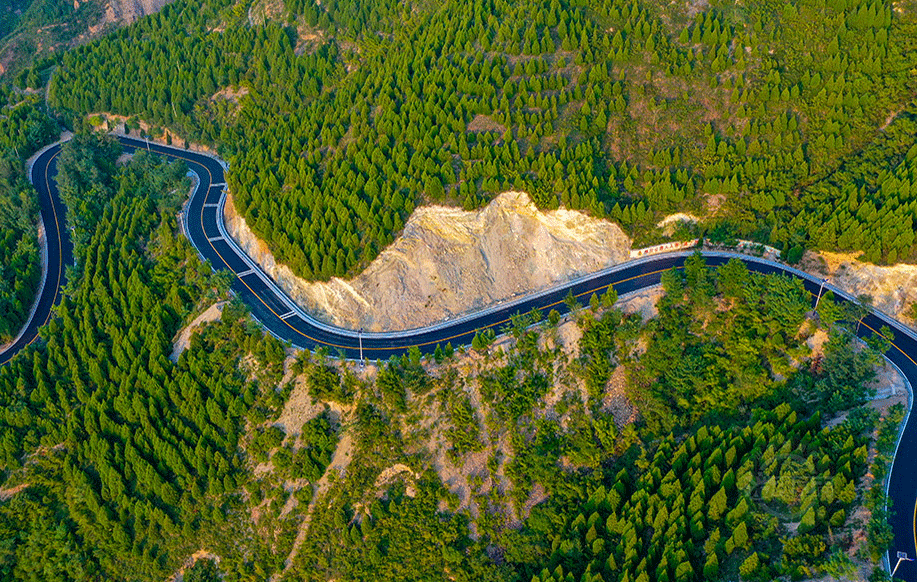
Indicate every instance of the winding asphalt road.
{"type": "Point", "coordinates": [281, 317]}
{"type": "Point", "coordinates": [59, 250]}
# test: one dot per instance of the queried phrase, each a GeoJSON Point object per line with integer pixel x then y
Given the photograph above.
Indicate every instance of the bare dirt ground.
{"type": "Point", "coordinates": [616, 402]}
{"type": "Point", "coordinates": [670, 222]}
{"type": "Point", "coordinates": [116, 124]}
{"type": "Point", "coordinates": [448, 262]}
{"type": "Point", "coordinates": [299, 409]}
{"type": "Point", "coordinates": [483, 122]}
{"type": "Point", "coordinates": [643, 302]}
{"type": "Point", "coordinates": [183, 339]}
{"type": "Point", "coordinates": [339, 462]}
{"type": "Point", "coordinates": [232, 95]}
{"type": "Point", "coordinates": [7, 493]}
{"type": "Point", "coordinates": [892, 288]}
{"type": "Point", "coordinates": [568, 335]}
{"type": "Point", "coordinates": [816, 343]}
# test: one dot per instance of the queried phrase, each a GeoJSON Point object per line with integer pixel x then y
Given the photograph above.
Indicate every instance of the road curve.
{"type": "Point", "coordinates": [281, 317]}
{"type": "Point", "coordinates": [59, 250]}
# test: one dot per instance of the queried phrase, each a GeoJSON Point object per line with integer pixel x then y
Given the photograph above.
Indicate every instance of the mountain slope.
{"type": "Point", "coordinates": [759, 117]}
{"type": "Point", "coordinates": [34, 29]}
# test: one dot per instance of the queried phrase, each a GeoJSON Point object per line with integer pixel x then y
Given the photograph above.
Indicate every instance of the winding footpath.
{"type": "Point", "coordinates": [204, 227]}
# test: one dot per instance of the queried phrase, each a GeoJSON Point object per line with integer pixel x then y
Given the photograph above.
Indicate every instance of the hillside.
{"type": "Point", "coordinates": [24, 128]}
{"type": "Point", "coordinates": [448, 262]}
{"type": "Point", "coordinates": [728, 421]}
{"type": "Point", "coordinates": [32, 30]}
{"type": "Point", "coordinates": [712, 428]}
{"type": "Point", "coordinates": [790, 124]}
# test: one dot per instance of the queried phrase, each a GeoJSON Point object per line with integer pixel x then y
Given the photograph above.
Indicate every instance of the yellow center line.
{"type": "Point", "coordinates": [60, 251]}
{"type": "Point", "coordinates": [914, 519]}
{"type": "Point", "coordinates": [380, 348]}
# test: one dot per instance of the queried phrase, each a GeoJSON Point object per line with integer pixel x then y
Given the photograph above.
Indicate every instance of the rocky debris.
{"type": "Point", "coordinates": [643, 302]}
{"type": "Point", "coordinates": [893, 289]}
{"type": "Point", "coordinates": [127, 11]}
{"type": "Point", "coordinates": [448, 262]}
{"type": "Point", "coordinates": [671, 222]}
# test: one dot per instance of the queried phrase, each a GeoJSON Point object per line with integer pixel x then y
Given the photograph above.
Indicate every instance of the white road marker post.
{"type": "Point", "coordinates": [820, 289]}
{"type": "Point", "coordinates": [362, 361]}
{"type": "Point", "coordinates": [902, 557]}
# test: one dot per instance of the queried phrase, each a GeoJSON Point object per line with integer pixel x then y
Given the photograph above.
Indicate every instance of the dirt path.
{"type": "Point", "coordinates": [183, 340]}
{"type": "Point", "coordinates": [339, 463]}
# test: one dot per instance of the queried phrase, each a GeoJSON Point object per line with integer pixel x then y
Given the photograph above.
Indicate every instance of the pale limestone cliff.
{"type": "Point", "coordinates": [448, 262]}
{"type": "Point", "coordinates": [893, 288]}
{"type": "Point", "coordinates": [127, 11]}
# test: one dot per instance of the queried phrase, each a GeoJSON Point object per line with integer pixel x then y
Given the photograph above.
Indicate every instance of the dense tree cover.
{"type": "Point", "coordinates": [867, 204]}
{"type": "Point", "coordinates": [129, 462]}
{"type": "Point", "coordinates": [34, 32]}
{"type": "Point", "coordinates": [86, 183]}
{"type": "Point", "coordinates": [594, 105]}
{"type": "Point", "coordinates": [718, 342]}
{"type": "Point", "coordinates": [710, 506]}
{"type": "Point", "coordinates": [24, 128]}
{"type": "Point", "coordinates": [725, 341]}
{"type": "Point", "coordinates": [723, 337]}
{"type": "Point", "coordinates": [202, 571]}
{"type": "Point", "coordinates": [20, 263]}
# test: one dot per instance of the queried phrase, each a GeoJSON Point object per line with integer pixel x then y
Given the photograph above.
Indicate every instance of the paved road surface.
{"type": "Point", "coordinates": [286, 321]}
{"type": "Point", "coordinates": [60, 251]}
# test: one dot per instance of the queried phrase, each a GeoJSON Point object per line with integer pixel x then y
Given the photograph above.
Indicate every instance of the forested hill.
{"type": "Point", "coordinates": [35, 32]}
{"type": "Point", "coordinates": [792, 120]}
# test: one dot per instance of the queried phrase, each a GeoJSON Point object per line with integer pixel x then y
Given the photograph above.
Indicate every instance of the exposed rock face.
{"type": "Point", "coordinates": [127, 11]}
{"type": "Point", "coordinates": [893, 288]}
{"type": "Point", "coordinates": [448, 262]}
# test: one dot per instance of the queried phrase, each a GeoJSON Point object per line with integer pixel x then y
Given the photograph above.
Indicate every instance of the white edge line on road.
{"type": "Point", "coordinates": [42, 240]}
{"type": "Point", "coordinates": [891, 468]}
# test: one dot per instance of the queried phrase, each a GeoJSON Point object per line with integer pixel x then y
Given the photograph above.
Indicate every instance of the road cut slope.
{"type": "Point", "coordinates": [280, 316]}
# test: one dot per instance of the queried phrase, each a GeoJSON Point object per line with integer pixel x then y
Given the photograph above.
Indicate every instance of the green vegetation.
{"type": "Point", "coordinates": [20, 264]}
{"type": "Point", "coordinates": [24, 128]}
{"type": "Point", "coordinates": [34, 32]}
{"type": "Point", "coordinates": [721, 340]}
{"type": "Point", "coordinates": [125, 455]}
{"type": "Point", "coordinates": [690, 446]}
{"type": "Point", "coordinates": [711, 505]}
{"type": "Point", "coordinates": [700, 488]}
{"type": "Point", "coordinates": [591, 105]}
{"type": "Point", "coordinates": [123, 460]}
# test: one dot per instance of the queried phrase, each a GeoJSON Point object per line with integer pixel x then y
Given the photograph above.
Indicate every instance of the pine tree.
{"type": "Point", "coordinates": [807, 523]}
{"type": "Point", "coordinates": [740, 536]}
{"type": "Point", "coordinates": [476, 343]}
{"type": "Point", "coordinates": [750, 566]}
{"type": "Point", "coordinates": [717, 505]}
{"type": "Point", "coordinates": [712, 567]}
{"type": "Point", "coordinates": [769, 489]}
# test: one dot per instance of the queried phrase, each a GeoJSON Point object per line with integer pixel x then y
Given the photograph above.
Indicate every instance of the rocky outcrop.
{"type": "Point", "coordinates": [127, 11]}
{"type": "Point", "coordinates": [448, 262]}
{"type": "Point", "coordinates": [893, 288]}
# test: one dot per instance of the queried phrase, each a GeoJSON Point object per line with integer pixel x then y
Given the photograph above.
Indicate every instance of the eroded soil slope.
{"type": "Point", "coordinates": [449, 261]}
{"type": "Point", "coordinates": [893, 288]}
